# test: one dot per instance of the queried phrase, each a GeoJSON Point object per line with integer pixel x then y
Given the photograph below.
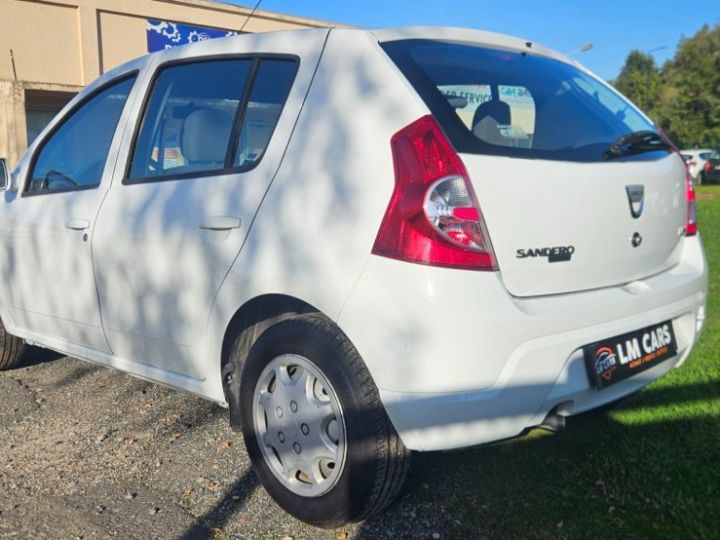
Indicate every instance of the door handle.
{"type": "Point", "coordinates": [77, 224]}
{"type": "Point", "coordinates": [221, 223]}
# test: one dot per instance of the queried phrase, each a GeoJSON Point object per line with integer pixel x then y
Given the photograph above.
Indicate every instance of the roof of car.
{"type": "Point", "coordinates": [448, 33]}
{"type": "Point", "coordinates": [463, 35]}
{"type": "Point", "coordinates": [443, 33]}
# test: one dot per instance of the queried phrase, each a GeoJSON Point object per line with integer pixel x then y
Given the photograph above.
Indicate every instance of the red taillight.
{"type": "Point", "coordinates": [433, 216]}
{"type": "Point", "coordinates": [708, 166]}
{"type": "Point", "coordinates": [691, 219]}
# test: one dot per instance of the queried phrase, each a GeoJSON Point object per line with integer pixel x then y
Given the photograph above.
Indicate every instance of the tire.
{"type": "Point", "coordinates": [11, 350]}
{"type": "Point", "coordinates": [369, 464]}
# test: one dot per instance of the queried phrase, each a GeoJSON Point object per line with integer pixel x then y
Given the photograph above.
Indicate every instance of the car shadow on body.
{"type": "Point", "coordinates": [34, 356]}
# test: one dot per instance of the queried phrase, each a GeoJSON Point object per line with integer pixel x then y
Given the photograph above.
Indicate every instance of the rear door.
{"type": "Point", "coordinates": [564, 211]}
{"type": "Point", "coordinates": [208, 143]}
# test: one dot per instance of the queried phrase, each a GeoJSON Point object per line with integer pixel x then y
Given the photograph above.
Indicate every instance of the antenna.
{"type": "Point", "coordinates": [12, 60]}
{"type": "Point", "coordinates": [251, 14]}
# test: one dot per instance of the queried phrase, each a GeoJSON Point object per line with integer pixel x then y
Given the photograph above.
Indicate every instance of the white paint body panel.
{"type": "Point", "coordinates": [543, 204]}
{"type": "Point", "coordinates": [155, 303]}
{"type": "Point", "coordinates": [458, 360]}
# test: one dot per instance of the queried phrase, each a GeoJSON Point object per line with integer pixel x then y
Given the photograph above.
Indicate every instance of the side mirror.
{"type": "Point", "coordinates": [4, 175]}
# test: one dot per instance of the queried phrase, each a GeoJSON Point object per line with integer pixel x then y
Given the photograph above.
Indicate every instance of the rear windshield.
{"type": "Point", "coordinates": [500, 102]}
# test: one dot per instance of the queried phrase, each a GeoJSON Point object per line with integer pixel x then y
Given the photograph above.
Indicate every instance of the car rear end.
{"type": "Point", "coordinates": [695, 160]}
{"type": "Point", "coordinates": [711, 169]}
{"type": "Point", "coordinates": [534, 259]}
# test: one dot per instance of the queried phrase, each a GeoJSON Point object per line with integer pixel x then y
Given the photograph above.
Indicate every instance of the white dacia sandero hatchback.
{"type": "Point", "coordinates": [363, 243]}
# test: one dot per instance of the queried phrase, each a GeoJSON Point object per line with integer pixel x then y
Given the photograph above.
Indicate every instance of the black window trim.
{"type": "Point", "coordinates": [80, 104]}
{"type": "Point", "coordinates": [257, 59]}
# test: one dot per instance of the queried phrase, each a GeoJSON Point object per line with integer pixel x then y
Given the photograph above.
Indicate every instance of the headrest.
{"type": "Point", "coordinates": [498, 110]}
{"type": "Point", "coordinates": [487, 121]}
{"type": "Point", "coordinates": [205, 135]}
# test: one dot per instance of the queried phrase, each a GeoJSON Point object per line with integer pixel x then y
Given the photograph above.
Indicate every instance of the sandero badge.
{"type": "Point", "coordinates": [553, 254]}
{"type": "Point", "coordinates": [614, 359]}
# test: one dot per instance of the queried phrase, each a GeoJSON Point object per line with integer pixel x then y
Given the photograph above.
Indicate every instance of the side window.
{"type": "Point", "coordinates": [270, 90]}
{"type": "Point", "coordinates": [74, 156]}
{"type": "Point", "coordinates": [189, 117]}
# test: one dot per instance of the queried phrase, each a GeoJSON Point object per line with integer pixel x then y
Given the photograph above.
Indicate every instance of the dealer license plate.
{"type": "Point", "coordinates": [614, 359]}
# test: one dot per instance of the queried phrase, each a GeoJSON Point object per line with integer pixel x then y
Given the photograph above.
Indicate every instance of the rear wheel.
{"type": "Point", "coordinates": [11, 350]}
{"type": "Point", "coordinates": [314, 426]}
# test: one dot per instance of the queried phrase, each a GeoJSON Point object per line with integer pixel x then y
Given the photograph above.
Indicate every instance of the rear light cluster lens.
{"type": "Point", "coordinates": [708, 166]}
{"type": "Point", "coordinates": [450, 208]}
{"type": "Point", "coordinates": [691, 220]}
{"type": "Point", "coordinates": [691, 227]}
{"type": "Point", "coordinates": [433, 216]}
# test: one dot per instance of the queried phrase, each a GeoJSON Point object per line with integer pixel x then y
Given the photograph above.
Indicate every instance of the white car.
{"type": "Point", "coordinates": [364, 243]}
{"type": "Point", "coordinates": [696, 160]}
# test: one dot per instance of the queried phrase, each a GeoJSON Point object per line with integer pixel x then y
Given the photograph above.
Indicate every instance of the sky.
{"type": "Point", "coordinates": [614, 27]}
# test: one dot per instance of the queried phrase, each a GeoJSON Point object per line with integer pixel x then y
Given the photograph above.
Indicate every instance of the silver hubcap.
{"type": "Point", "coordinates": [299, 425]}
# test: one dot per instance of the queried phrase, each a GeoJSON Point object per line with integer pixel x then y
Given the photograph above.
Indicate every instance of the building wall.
{"type": "Point", "coordinates": [62, 45]}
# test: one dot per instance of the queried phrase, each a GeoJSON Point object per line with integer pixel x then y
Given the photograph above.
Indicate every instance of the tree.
{"type": "Point", "coordinates": [640, 81]}
{"type": "Point", "coordinates": [683, 97]}
{"type": "Point", "coordinates": [690, 105]}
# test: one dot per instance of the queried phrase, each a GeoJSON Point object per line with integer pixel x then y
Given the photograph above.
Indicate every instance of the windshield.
{"type": "Point", "coordinates": [517, 104]}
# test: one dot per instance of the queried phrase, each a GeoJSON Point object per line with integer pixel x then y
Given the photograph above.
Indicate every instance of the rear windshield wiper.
{"type": "Point", "coordinates": [636, 142]}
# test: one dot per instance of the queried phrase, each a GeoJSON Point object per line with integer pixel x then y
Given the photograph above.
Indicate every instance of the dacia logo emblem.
{"type": "Point", "coordinates": [636, 198]}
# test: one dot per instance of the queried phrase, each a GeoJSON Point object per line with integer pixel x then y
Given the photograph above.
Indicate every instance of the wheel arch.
{"type": "Point", "coordinates": [245, 326]}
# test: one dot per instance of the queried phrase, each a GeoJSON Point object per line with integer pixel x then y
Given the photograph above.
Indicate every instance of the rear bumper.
{"type": "Point", "coordinates": [459, 362]}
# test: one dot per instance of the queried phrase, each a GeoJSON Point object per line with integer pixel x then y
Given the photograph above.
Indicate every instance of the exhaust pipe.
{"type": "Point", "coordinates": [555, 419]}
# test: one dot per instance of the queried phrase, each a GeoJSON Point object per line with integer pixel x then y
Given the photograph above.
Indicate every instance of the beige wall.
{"type": "Point", "coordinates": [44, 39]}
{"type": "Point", "coordinates": [65, 44]}
{"type": "Point", "coordinates": [12, 132]}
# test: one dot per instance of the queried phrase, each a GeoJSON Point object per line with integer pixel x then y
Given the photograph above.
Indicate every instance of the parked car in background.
{"type": "Point", "coordinates": [711, 170]}
{"type": "Point", "coordinates": [696, 159]}
{"type": "Point", "coordinates": [363, 243]}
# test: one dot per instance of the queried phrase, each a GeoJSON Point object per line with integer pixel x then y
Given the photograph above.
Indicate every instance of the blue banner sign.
{"type": "Point", "coordinates": [163, 35]}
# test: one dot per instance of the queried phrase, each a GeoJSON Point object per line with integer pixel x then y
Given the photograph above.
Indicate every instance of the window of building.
{"type": "Point", "coordinates": [41, 106]}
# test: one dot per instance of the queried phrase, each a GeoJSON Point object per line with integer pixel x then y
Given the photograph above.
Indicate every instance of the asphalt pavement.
{"type": "Point", "coordinates": [89, 452]}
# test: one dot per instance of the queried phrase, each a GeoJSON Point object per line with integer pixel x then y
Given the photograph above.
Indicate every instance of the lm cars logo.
{"type": "Point", "coordinates": [605, 362]}
{"type": "Point", "coordinates": [645, 348]}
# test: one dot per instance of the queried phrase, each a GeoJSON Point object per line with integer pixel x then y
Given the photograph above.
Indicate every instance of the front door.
{"type": "Point", "coordinates": [46, 228]}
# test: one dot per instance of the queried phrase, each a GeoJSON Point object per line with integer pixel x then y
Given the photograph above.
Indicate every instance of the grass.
{"type": "Point", "coordinates": [648, 469]}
